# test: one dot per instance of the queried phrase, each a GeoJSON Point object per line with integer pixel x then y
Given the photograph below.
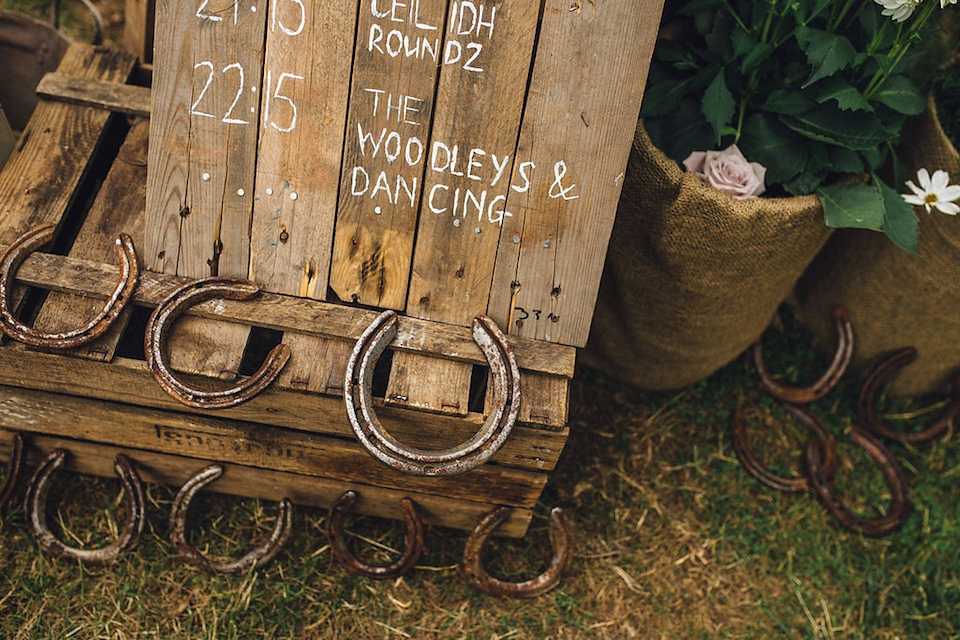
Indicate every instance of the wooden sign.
{"type": "Point", "coordinates": [444, 158]}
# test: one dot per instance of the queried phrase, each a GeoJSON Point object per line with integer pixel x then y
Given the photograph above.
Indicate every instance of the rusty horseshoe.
{"type": "Point", "coordinates": [253, 559]}
{"type": "Point", "coordinates": [880, 374]}
{"type": "Point", "coordinates": [841, 359]}
{"type": "Point", "coordinates": [468, 455]}
{"type": "Point", "coordinates": [561, 539]}
{"type": "Point", "coordinates": [29, 242]}
{"type": "Point", "coordinates": [159, 326]}
{"type": "Point", "coordinates": [9, 486]}
{"type": "Point", "coordinates": [822, 437]}
{"type": "Point", "coordinates": [900, 507]}
{"type": "Point", "coordinates": [35, 508]}
{"type": "Point", "coordinates": [413, 547]}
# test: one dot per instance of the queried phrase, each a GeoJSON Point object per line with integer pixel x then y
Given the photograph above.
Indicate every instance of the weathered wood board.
{"type": "Point", "coordinates": [444, 158]}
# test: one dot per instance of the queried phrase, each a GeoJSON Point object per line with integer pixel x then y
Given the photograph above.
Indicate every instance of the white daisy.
{"type": "Point", "coordinates": [936, 192]}
{"type": "Point", "coordinates": [900, 10]}
{"type": "Point", "coordinates": [944, 3]}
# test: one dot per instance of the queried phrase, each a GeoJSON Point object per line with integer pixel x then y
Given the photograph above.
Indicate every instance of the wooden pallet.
{"type": "Point", "coordinates": [293, 440]}
{"type": "Point", "coordinates": [537, 139]}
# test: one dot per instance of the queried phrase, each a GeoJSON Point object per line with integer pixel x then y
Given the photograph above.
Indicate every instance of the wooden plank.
{"type": "Point", "coordinates": [123, 98]}
{"type": "Point", "coordinates": [530, 446]}
{"type": "Point", "coordinates": [60, 273]}
{"type": "Point", "coordinates": [204, 119]}
{"type": "Point", "coordinates": [249, 444]}
{"type": "Point", "coordinates": [38, 183]}
{"type": "Point", "coordinates": [398, 52]}
{"type": "Point", "coordinates": [474, 136]}
{"type": "Point", "coordinates": [164, 468]}
{"type": "Point", "coordinates": [117, 208]}
{"type": "Point", "coordinates": [574, 145]}
{"type": "Point", "coordinates": [138, 28]}
{"type": "Point", "coordinates": [429, 384]}
{"type": "Point", "coordinates": [306, 81]}
{"type": "Point", "coordinates": [7, 138]}
{"type": "Point", "coordinates": [322, 371]}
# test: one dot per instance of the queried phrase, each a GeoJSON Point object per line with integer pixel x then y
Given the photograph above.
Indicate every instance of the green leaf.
{"type": "Point", "coordinates": [845, 161]}
{"type": "Point", "coordinates": [900, 94]}
{"type": "Point", "coordinates": [787, 102]}
{"type": "Point", "coordinates": [852, 205]}
{"type": "Point", "coordinates": [757, 55]}
{"type": "Point", "coordinates": [857, 131]}
{"type": "Point", "coordinates": [780, 150]}
{"type": "Point", "coordinates": [847, 96]}
{"type": "Point", "coordinates": [805, 183]}
{"type": "Point", "coordinates": [718, 105]}
{"type": "Point", "coordinates": [826, 52]}
{"type": "Point", "coordinates": [899, 220]}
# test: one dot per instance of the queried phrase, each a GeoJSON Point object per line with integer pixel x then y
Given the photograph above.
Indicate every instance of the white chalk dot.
{"type": "Point", "coordinates": [456, 222]}
{"type": "Point", "coordinates": [206, 177]}
{"type": "Point", "coordinates": [269, 191]}
{"type": "Point", "coordinates": [240, 192]}
{"type": "Point", "coordinates": [253, 88]}
{"type": "Point", "coordinates": [516, 239]}
{"type": "Point", "coordinates": [252, 110]}
{"type": "Point", "coordinates": [293, 196]}
{"type": "Point", "coordinates": [253, 8]}
{"type": "Point", "coordinates": [546, 244]}
{"type": "Point", "coordinates": [477, 230]}
{"type": "Point", "coordinates": [377, 210]}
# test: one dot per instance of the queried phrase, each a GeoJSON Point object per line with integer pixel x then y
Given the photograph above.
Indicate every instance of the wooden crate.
{"type": "Point", "coordinates": [326, 254]}
{"type": "Point", "coordinates": [294, 440]}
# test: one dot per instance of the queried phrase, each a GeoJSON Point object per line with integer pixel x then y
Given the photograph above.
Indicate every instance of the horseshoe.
{"type": "Point", "coordinates": [158, 327]}
{"type": "Point", "coordinates": [900, 507]}
{"type": "Point", "coordinates": [14, 470]}
{"type": "Point", "coordinates": [823, 437]}
{"type": "Point", "coordinates": [841, 359]}
{"type": "Point", "coordinates": [35, 508]}
{"type": "Point", "coordinates": [561, 539]}
{"type": "Point", "coordinates": [880, 374]}
{"type": "Point", "coordinates": [253, 559]}
{"type": "Point", "coordinates": [29, 242]}
{"type": "Point", "coordinates": [411, 552]}
{"type": "Point", "coordinates": [464, 457]}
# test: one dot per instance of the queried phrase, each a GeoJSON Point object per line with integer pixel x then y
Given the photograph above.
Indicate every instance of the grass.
{"type": "Point", "coordinates": [675, 540]}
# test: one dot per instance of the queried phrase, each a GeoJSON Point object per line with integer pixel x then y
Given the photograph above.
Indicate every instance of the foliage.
{"type": "Point", "coordinates": [811, 89]}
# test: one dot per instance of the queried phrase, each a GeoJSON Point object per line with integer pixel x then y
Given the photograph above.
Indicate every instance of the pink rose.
{"type": "Point", "coordinates": [728, 171]}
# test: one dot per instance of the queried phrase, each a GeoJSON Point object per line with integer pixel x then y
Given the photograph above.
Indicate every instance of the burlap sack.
{"type": "Point", "coordinates": [692, 276]}
{"type": "Point", "coordinates": [897, 299]}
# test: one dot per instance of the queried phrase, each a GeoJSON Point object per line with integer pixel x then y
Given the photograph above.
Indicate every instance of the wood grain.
{"type": "Point", "coordinates": [530, 445]}
{"type": "Point", "coordinates": [301, 139]}
{"type": "Point", "coordinates": [391, 106]}
{"type": "Point", "coordinates": [238, 480]}
{"type": "Point", "coordinates": [38, 183]}
{"type": "Point", "coordinates": [60, 273]}
{"type": "Point", "coordinates": [115, 96]}
{"type": "Point", "coordinates": [204, 120]}
{"type": "Point", "coordinates": [118, 208]}
{"type": "Point", "coordinates": [249, 444]}
{"type": "Point", "coordinates": [583, 102]}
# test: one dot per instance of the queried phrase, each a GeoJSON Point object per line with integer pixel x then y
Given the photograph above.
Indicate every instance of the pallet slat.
{"type": "Point", "coordinates": [129, 382]}
{"type": "Point", "coordinates": [249, 444]}
{"type": "Point", "coordinates": [168, 469]}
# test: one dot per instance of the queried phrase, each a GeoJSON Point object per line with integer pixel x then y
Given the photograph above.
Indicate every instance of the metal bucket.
{"type": "Point", "coordinates": [29, 48]}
